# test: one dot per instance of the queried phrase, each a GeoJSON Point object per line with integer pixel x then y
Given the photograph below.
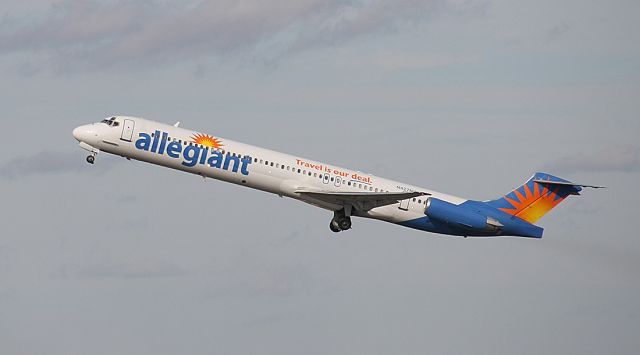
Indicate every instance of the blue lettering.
{"type": "Point", "coordinates": [245, 164]}
{"type": "Point", "coordinates": [174, 149]}
{"type": "Point", "coordinates": [231, 158]}
{"type": "Point", "coordinates": [163, 143]}
{"type": "Point", "coordinates": [156, 139]}
{"type": "Point", "coordinates": [203, 156]}
{"type": "Point", "coordinates": [144, 142]}
{"type": "Point", "coordinates": [191, 154]}
{"type": "Point", "coordinates": [215, 161]}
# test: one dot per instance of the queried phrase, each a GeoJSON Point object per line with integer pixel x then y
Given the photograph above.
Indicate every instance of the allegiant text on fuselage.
{"type": "Point", "coordinates": [191, 155]}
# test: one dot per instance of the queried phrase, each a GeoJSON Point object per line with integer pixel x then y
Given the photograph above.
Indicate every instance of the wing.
{"type": "Point", "coordinates": [362, 200]}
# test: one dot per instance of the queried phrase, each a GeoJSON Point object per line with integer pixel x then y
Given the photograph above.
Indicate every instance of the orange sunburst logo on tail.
{"type": "Point", "coordinates": [532, 205]}
{"type": "Point", "coordinates": [207, 141]}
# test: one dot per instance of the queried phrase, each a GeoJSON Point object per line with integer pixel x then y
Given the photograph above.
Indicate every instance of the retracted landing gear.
{"type": "Point", "coordinates": [340, 222]}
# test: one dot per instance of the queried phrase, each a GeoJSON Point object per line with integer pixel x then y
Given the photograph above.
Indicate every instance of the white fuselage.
{"type": "Point", "coordinates": [259, 168]}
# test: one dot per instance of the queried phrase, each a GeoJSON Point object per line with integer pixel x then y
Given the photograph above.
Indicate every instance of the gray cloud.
{"type": "Point", "coordinates": [97, 34]}
{"type": "Point", "coordinates": [557, 31]}
{"type": "Point", "coordinates": [131, 269]}
{"type": "Point", "coordinates": [622, 158]}
{"type": "Point", "coordinates": [48, 162]}
{"type": "Point", "coordinates": [266, 277]}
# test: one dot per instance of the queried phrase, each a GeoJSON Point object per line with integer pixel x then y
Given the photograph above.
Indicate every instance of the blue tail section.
{"type": "Point", "coordinates": [512, 214]}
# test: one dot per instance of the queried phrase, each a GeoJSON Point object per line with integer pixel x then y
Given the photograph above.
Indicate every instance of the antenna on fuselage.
{"type": "Point", "coordinates": [177, 124]}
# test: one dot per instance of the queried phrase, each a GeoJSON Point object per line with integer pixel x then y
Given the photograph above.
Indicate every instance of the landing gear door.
{"type": "Point", "coordinates": [404, 204]}
{"type": "Point", "coordinates": [127, 130]}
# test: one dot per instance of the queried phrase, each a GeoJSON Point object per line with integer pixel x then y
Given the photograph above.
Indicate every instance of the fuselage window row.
{"type": "Point", "coordinates": [305, 172]}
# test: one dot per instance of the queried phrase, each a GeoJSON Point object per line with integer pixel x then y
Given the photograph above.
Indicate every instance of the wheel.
{"type": "Point", "coordinates": [334, 227]}
{"type": "Point", "coordinates": [91, 159]}
{"type": "Point", "coordinates": [345, 223]}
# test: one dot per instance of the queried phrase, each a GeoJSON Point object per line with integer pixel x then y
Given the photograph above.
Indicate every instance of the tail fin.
{"type": "Point", "coordinates": [536, 197]}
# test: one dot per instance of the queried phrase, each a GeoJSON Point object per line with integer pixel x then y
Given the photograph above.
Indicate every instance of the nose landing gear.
{"type": "Point", "coordinates": [340, 222]}
{"type": "Point", "coordinates": [91, 158]}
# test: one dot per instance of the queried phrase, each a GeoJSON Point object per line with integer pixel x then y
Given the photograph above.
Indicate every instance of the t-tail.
{"type": "Point", "coordinates": [536, 197]}
{"type": "Point", "coordinates": [513, 214]}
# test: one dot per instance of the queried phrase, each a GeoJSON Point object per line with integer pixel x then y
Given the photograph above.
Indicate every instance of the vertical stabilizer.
{"type": "Point", "coordinates": [536, 197]}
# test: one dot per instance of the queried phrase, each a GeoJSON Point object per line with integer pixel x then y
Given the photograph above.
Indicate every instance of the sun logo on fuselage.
{"type": "Point", "coordinates": [207, 141]}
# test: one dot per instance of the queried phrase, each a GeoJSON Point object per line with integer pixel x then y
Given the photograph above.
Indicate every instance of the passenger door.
{"type": "Point", "coordinates": [127, 130]}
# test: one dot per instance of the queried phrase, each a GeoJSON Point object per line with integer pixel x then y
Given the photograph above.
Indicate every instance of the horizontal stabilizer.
{"type": "Point", "coordinates": [566, 183]}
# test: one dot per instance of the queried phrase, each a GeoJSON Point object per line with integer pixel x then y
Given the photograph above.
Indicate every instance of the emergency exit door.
{"type": "Point", "coordinates": [127, 130]}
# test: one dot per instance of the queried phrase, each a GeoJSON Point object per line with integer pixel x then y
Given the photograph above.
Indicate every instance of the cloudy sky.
{"type": "Point", "coordinates": [465, 97]}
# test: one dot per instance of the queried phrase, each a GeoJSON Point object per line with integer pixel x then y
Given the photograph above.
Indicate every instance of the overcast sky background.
{"type": "Point", "coordinates": [464, 97]}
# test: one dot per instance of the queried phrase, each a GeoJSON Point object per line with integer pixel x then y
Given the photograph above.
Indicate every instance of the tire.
{"type": "Point", "coordinates": [91, 159]}
{"type": "Point", "coordinates": [334, 226]}
{"type": "Point", "coordinates": [345, 224]}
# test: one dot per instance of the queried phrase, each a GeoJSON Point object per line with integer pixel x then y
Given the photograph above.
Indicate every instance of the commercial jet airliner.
{"type": "Point", "coordinates": [345, 192]}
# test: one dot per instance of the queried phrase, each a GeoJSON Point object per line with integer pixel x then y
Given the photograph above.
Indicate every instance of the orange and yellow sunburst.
{"type": "Point", "coordinates": [207, 141]}
{"type": "Point", "coordinates": [532, 205]}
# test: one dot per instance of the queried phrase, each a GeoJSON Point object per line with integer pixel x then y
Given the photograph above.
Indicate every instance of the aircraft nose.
{"type": "Point", "coordinates": [77, 133]}
{"type": "Point", "coordinates": [84, 133]}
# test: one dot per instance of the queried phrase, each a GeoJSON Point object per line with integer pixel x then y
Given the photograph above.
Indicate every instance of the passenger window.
{"type": "Point", "coordinates": [309, 173]}
{"type": "Point", "coordinates": [331, 178]}
{"type": "Point", "coordinates": [299, 171]}
{"type": "Point", "coordinates": [266, 162]}
{"type": "Point", "coordinates": [349, 183]}
{"type": "Point", "coordinates": [419, 201]}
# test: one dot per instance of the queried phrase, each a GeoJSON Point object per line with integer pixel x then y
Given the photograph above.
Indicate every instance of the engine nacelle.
{"type": "Point", "coordinates": [461, 216]}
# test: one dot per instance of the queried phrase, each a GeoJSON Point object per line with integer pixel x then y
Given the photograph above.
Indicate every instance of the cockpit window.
{"type": "Point", "coordinates": [110, 122]}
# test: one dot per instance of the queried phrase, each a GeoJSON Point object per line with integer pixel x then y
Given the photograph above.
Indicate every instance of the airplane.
{"type": "Point", "coordinates": [346, 193]}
